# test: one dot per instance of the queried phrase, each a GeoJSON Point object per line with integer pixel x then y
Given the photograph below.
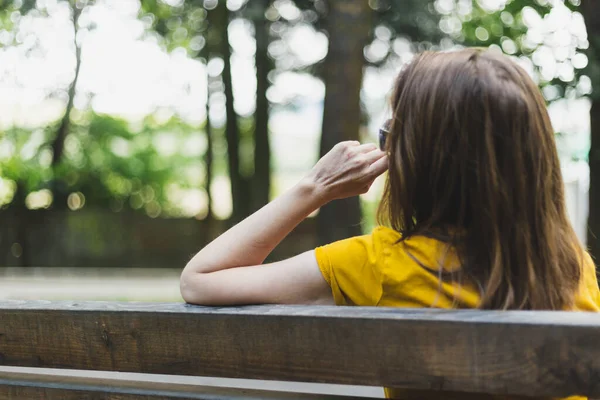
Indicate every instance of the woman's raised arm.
{"type": "Point", "coordinates": [229, 271]}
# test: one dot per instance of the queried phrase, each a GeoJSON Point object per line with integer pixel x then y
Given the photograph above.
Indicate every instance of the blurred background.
{"type": "Point", "coordinates": [134, 131]}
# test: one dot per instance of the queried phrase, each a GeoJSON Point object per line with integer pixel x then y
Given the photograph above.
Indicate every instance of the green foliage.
{"type": "Point", "coordinates": [11, 12]}
{"type": "Point", "coordinates": [24, 157]}
{"type": "Point", "coordinates": [183, 26]}
{"type": "Point", "coordinates": [414, 19]}
{"type": "Point", "coordinates": [506, 29]}
{"type": "Point", "coordinates": [21, 6]}
{"type": "Point", "coordinates": [111, 163]}
{"type": "Point", "coordinates": [116, 164]}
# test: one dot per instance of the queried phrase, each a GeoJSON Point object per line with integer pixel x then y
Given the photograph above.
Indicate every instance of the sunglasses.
{"type": "Point", "coordinates": [384, 131]}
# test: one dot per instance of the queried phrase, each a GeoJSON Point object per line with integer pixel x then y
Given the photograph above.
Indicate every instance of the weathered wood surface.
{"type": "Point", "coordinates": [523, 353]}
{"type": "Point", "coordinates": [26, 374]}
{"type": "Point", "coordinates": [52, 386]}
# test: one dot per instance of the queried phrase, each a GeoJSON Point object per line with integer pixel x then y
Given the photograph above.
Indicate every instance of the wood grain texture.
{"type": "Point", "coordinates": [521, 353]}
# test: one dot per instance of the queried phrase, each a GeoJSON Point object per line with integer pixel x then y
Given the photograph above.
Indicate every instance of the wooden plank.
{"type": "Point", "coordinates": [203, 381]}
{"type": "Point", "coordinates": [521, 353]}
{"type": "Point", "coordinates": [32, 391]}
{"type": "Point", "coordinates": [52, 386]}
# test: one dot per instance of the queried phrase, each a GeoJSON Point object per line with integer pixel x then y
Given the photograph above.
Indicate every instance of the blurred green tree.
{"type": "Point", "coordinates": [91, 159]}
{"type": "Point", "coordinates": [206, 37]}
{"type": "Point", "coordinates": [379, 32]}
{"type": "Point", "coordinates": [56, 138]}
{"type": "Point", "coordinates": [59, 188]}
{"type": "Point", "coordinates": [190, 26]}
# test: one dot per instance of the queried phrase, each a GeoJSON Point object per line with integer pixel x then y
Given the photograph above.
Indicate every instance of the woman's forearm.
{"type": "Point", "coordinates": [347, 170]}
{"type": "Point", "coordinates": [253, 239]}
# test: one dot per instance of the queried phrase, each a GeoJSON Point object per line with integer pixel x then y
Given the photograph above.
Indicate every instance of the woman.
{"type": "Point", "coordinates": [473, 214]}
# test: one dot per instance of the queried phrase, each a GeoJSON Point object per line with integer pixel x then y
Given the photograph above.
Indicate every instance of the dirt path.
{"type": "Point", "coordinates": [161, 285]}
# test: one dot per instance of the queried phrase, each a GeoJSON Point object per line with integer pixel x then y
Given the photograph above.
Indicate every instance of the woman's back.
{"type": "Point", "coordinates": [380, 270]}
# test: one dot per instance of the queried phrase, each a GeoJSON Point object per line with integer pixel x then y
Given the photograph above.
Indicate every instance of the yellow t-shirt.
{"type": "Point", "coordinates": [376, 270]}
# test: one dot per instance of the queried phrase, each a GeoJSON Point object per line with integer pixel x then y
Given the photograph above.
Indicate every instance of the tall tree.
{"type": "Point", "coordinates": [209, 20]}
{"type": "Point", "coordinates": [58, 143]}
{"type": "Point", "coordinates": [209, 155]}
{"type": "Point", "coordinates": [348, 24]}
{"type": "Point", "coordinates": [262, 154]}
{"type": "Point", "coordinates": [239, 187]}
{"type": "Point", "coordinates": [591, 11]}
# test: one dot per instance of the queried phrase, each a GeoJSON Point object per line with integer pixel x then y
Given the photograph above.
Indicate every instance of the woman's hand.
{"type": "Point", "coordinates": [349, 169]}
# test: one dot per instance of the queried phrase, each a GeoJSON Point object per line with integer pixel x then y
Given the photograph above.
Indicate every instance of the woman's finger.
{"type": "Point", "coordinates": [366, 148]}
{"type": "Point", "coordinates": [374, 155]}
{"type": "Point", "coordinates": [378, 167]}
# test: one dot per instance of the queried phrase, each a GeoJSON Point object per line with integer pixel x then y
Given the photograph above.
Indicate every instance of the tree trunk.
{"type": "Point", "coordinates": [21, 228]}
{"type": "Point", "coordinates": [208, 156]}
{"type": "Point", "coordinates": [208, 162]}
{"type": "Point", "coordinates": [239, 188]}
{"type": "Point", "coordinates": [262, 152]}
{"type": "Point", "coordinates": [58, 187]}
{"type": "Point", "coordinates": [591, 11]}
{"type": "Point", "coordinates": [348, 24]}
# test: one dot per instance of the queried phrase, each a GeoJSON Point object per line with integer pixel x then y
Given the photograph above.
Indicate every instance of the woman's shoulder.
{"type": "Point", "coordinates": [359, 249]}
{"type": "Point", "coordinates": [352, 266]}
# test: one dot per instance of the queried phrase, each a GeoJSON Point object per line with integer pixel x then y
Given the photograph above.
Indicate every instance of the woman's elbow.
{"type": "Point", "coordinates": [189, 287]}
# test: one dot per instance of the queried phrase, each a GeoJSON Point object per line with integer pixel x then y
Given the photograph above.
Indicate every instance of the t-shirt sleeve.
{"type": "Point", "coordinates": [588, 297]}
{"type": "Point", "coordinates": [350, 268]}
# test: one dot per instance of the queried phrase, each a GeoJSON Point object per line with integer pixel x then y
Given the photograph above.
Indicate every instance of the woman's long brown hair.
{"type": "Point", "coordinates": [473, 159]}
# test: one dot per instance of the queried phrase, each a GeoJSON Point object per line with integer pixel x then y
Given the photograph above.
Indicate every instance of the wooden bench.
{"type": "Point", "coordinates": [520, 353]}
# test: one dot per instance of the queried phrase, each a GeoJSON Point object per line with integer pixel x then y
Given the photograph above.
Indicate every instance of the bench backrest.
{"type": "Point", "coordinates": [519, 353]}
